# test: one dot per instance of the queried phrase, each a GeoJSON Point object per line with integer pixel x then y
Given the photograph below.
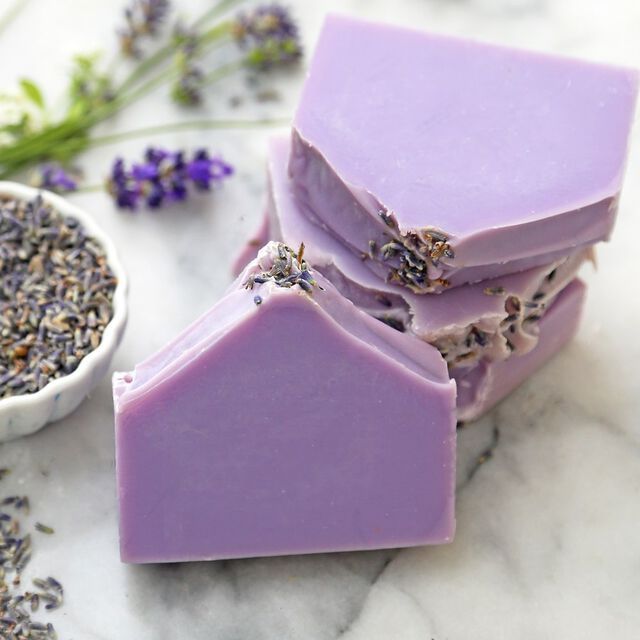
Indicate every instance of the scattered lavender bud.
{"type": "Point", "coordinates": [43, 528]}
{"type": "Point", "coordinates": [16, 606]}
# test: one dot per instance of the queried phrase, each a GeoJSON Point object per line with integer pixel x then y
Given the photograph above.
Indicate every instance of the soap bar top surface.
{"type": "Point", "coordinates": [284, 421]}
{"type": "Point", "coordinates": [463, 136]}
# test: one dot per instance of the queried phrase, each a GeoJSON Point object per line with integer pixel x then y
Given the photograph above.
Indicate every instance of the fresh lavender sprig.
{"type": "Point", "coordinates": [164, 177]}
{"type": "Point", "coordinates": [143, 18]}
{"type": "Point", "coordinates": [269, 35]}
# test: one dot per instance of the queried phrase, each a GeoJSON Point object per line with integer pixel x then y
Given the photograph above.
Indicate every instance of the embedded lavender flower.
{"type": "Point", "coordinates": [164, 177]}
{"type": "Point", "coordinates": [269, 35]}
{"type": "Point", "coordinates": [53, 177]}
{"type": "Point", "coordinates": [143, 18]}
{"type": "Point", "coordinates": [288, 268]}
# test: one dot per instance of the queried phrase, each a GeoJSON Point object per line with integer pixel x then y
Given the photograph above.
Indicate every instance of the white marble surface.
{"type": "Point", "coordinates": [548, 542]}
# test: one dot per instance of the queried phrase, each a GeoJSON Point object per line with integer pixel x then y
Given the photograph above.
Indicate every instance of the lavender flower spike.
{"type": "Point", "coordinates": [143, 18]}
{"type": "Point", "coordinates": [163, 177]}
{"type": "Point", "coordinates": [269, 35]}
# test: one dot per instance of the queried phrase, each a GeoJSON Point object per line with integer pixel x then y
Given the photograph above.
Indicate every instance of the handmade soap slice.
{"type": "Point", "coordinates": [284, 421]}
{"type": "Point", "coordinates": [482, 387]}
{"type": "Point", "coordinates": [473, 326]}
{"type": "Point", "coordinates": [491, 319]}
{"type": "Point", "coordinates": [443, 161]}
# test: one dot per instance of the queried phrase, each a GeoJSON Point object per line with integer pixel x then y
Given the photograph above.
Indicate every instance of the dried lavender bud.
{"type": "Point", "coordinates": [43, 528]}
{"type": "Point", "coordinates": [17, 607]}
{"type": "Point", "coordinates": [52, 276]}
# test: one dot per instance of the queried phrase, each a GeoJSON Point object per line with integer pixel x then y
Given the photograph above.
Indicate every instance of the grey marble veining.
{"type": "Point", "coordinates": [547, 543]}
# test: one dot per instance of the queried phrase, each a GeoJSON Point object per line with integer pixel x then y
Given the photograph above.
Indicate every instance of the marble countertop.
{"type": "Point", "coordinates": [548, 542]}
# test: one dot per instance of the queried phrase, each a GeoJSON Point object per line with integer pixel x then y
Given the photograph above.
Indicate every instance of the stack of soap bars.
{"type": "Point", "coordinates": [427, 216]}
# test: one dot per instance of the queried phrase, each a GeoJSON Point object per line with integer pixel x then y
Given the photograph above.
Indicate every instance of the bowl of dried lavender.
{"type": "Point", "coordinates": [62, 307]}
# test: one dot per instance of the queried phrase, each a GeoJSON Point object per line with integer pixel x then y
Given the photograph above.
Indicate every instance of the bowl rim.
{"type": "Point", "coordinates": [115, 326]}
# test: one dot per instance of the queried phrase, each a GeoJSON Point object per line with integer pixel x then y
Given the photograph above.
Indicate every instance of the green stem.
{"type": "Point", "coordinates": [165, 52]}
{"type": "Point", "coordinates": [215, 11]}
{"type": "Point", "coordinates": [125, 100]}
{"type": "Point", "coordinates": [158, 80]}
{"type": "Point", "coordinates": [35, 142]}
{"type": "Point", "coordinates": [186, 126]}
{"type": "Point", "coordinates": [87, 189]}
{"type": "Point", "coordinates": [68, 138]}
{"type": "Point", "coordinates": [221, 33]}
{"type": "Point", "coordinates": [223, 71]}
{"type": "Point", "coordinates": [213, 36]}
{"type": "Point", "coordinates": [73, 146]}
{"type": "Point", "coordinates": [145, 66]}
{"type": "Point", "coordinates": [71, 136]}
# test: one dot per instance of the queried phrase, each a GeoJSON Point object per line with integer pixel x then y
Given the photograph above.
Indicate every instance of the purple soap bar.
{"type": "Point", "coordinates": [445, 161]}
{"type": "Point", "coordinates": [473, 326]}
{"type": "Point", "coordinates": [482, 387]}
{"type": "Point", "coordinates": [488, 320]}
{"type": "Point", "coordinates": [284, 421]}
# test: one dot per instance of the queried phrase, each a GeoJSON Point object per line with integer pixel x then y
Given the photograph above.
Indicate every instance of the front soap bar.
{"type": "Point", "coordinates": [445, 161]}
{"type": "Point", "coordinates": [284, 421]}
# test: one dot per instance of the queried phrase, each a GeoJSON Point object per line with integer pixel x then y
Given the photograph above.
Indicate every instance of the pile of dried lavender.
{"type": "Point", "coordinates": [16, 606]}
{"type": "Point", "coordinates": [56, 295]}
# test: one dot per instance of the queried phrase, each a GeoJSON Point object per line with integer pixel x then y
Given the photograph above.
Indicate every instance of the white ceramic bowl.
{"type": "Point", "coordinates": [21, 415]}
